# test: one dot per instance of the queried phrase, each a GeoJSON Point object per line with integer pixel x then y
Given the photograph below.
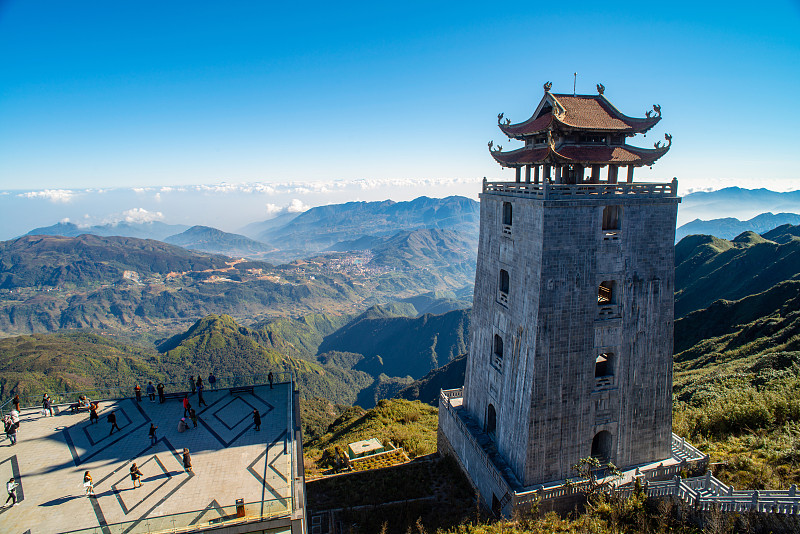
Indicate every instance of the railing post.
{"type": "Point", "coordinates": [754, 505]}
{"type": "Point", "coordinates": [708, 480]}
{"type": "Point", "coordinates": [793, 490]}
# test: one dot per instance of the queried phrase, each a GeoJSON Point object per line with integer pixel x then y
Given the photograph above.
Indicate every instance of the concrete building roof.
{"type": "Point", "coordinates": [230, 460]}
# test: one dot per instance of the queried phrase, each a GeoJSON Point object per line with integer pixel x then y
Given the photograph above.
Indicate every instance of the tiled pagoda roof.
{"type": "Point", "coordinates": [580, 112]}
{"type": "Point", "coordinates": [580, 154]}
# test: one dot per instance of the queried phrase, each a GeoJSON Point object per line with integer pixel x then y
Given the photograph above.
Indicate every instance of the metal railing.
{"type": "Point", "coordinates": [126, 391]}
{"type": "Point", "coordinates": [197, 519]}
{"type": "Point", "coordinates": [548, 191]}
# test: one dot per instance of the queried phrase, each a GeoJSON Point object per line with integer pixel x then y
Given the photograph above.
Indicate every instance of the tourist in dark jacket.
{"type": "Point", "coordinates": [256, 419]}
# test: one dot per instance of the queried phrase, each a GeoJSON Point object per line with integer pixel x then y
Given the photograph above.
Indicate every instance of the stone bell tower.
{"type": "Point", "coordinates": [571, 346]}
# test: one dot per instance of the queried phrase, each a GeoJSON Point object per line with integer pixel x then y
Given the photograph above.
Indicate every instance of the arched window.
{"type": "Point", "coordinates": [507, 214]}
{"type": "Point", "coordinates": [606, 293]}
{"type": "Point", "coordinates": [601, 446]}
{"type": "Point", "coordinates": [504, 287]}
{"type": "Point", "coordinates": [491, 420]}
{"type": "Point", "coordinates": [604, 365]}
{"type": "Point", "coordinates": [498, 352]}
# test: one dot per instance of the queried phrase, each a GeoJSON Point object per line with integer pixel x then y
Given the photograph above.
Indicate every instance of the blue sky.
{"type": "Point", "coordinates": [117, 94]}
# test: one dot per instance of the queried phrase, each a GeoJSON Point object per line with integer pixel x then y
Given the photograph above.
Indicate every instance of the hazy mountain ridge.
{"type": "Point", "coordinates": [730, 227]}
{"type": "Point", "coordinates": [323, 227]}
{"type": "Point", "coordinates": [212, 240]}
{"type": "Point", "coordinates": [146, 230]}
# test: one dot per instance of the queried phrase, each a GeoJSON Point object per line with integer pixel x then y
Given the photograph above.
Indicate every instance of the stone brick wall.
{"type": "Point", "coordinates": [548, 403]}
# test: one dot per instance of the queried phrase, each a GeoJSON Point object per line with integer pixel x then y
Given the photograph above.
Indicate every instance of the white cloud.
{"type": "Point", "coordinates": [65, 220]}
{"type": "Point", "coordinates": [141, 215]}
{"type": "Point", "coordinates": [297, 206]}
{"type": "Point", "coordinates": [274, 209]}
{"type": "Point", "coordinates": [53, 195]}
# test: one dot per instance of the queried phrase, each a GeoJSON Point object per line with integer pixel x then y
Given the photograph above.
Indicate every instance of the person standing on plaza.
{"type": "Point", "coordinates": [136, 475]}
{"type": "Point", "coordinates": [187, 461]}
{"type": "Point", "coordinates": [152, 434]}
{"type": "Point", "coordinates": [138, 392]}
{"type": "Point", "coordinates": [191, 382]}
{"type": "Point", "coordinates": [256, 419]}
{"type": "Point", "coordinates": [151, 391]}
{"type": "Point", "coordinates": [212, 381]}
{"type": "Point", "coordinates": [11, 488]}
{"type": "Point", "coordinates": [161, 397]}
{"type": "Point", "coordinates": [47, 405]}
{"type": "Point", "coordinates": [88, 484]}
{"type": "Point", "coordinates": [186, 406]}
{"type": "Point", "coordinates": [193, 417]}
{"type": "Point", "coordinates": [15, 401]}
{"type": "Point", "coordinates": [11, 430]}
{"type": "Point", "coordinates": [200, 400]}
{"type": "Point", "coordinates": [93, 417]}
{"type": "Point", "coordinates": [270, 378]}
{"type": "Point", "coordinates": [112, 418]}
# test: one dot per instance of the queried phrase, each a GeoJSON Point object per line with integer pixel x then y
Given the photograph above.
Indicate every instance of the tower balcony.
{"type": "Point", "coordinates": [548, 191]}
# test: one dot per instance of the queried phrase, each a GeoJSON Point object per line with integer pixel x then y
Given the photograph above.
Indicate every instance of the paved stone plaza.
{"type": "Point", "coordinates": [231, 460]}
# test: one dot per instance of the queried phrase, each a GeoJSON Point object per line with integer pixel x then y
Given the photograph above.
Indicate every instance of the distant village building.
{"type": "Point", "coordinates": [572, 319]}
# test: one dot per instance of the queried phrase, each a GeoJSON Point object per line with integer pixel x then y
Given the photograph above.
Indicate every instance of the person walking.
{"type": "Point", "coordinates": [212, 381]}
{"type": "Point", "coordinates": [11, 488]}
{"type": "Point", "coordinates": [270, 378]}
{"type": "Point", "coordinates": [186, 406]}
{"type": "Point", "coordinates": [187, 461]}
{"type": "Point", "coordinates": [256, 419]}
{"type": "Point", "coordinates": [138, 392]}
{"type": "Point", "coordinates": [192, 384]}
{"type": "Point", "coordinates": [152, 434]}
{"type": "Point", "coordinates": [136, 475]}
{"type": "Point", "coordinates": [11, 430]}
{"type": "Point", "coordinates": [93, 417]}
{"type": "Point", "coordinates": [193, 417]}
{"type": "Point", "coordinates": [200, 400]}
{"type": "Point", "coordinates": [47, 405]}
{"type": "Point", "coordinates": [151, 391]}
{"type": "Point", "coordinates": [161, 397]}
{"type": "Point", "coordinates": [88, 484]}
{"type": "Point", "coordinates": [112, 418]}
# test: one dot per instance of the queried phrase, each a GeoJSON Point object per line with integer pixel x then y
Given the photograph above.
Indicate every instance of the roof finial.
{"type": "Point", "coordinates": [547, 87]}
{"type": "Point", "coordinates": [574, 83]}
{"type": "Point", "coordinates": [601, 88]}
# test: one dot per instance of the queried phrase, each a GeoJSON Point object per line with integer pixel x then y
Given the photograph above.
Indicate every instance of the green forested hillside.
{"type": "Point", "coordinates": [708, 269]}
{"type": "Point", "coordinates": [426, 389]}
{"type": "Point", "coordinates": [53, 261]}
{"type": "Point", "coordinates": [400, 346]}
{"type": "Point", "coordinates": [219, 344]}
{"type": "Point", "coordinates": [72, 362]}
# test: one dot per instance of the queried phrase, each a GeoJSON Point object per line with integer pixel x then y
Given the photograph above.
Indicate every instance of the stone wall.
{"type": "Point", "coordinates": [549, 406]}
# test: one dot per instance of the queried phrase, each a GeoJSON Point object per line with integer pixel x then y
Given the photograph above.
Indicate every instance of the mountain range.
{"type": "Point", "coordinates": [730, 227]}
{"type": "Point", "coordinates": [147, 230]}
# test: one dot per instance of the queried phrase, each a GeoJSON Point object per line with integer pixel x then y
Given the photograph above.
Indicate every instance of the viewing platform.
{"type": "Point", "coordinates": [548, 191]}
{"type": "Point", "coordinates": [242, 479]}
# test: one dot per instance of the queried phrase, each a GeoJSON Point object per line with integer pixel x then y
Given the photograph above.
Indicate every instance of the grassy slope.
{"type": "Point", "coordinates": [737, 392]}
{"type": "Point", "coordinates": [411, 425]}
{"type": "Point", "coordinates": [708, 269]}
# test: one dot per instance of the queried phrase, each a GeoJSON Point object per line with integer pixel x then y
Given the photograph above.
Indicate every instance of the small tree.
{"type": "Point", "coordinates": [587, 471]}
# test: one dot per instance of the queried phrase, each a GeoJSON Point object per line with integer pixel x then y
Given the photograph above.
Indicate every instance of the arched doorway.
{"type": "Point", "coordinates": [601, 446]}
{"type": "Point", "coordinates": [491, 420]}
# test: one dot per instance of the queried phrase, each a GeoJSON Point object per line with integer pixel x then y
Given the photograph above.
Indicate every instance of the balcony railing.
{"type": "Point", "coordinates": [102, 393]}
{"type": "Point", "coordinates": [547, 191]}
